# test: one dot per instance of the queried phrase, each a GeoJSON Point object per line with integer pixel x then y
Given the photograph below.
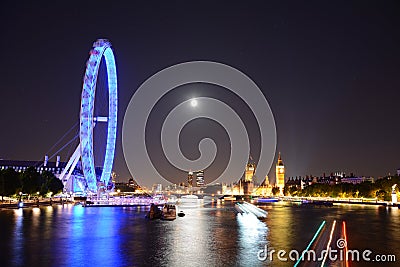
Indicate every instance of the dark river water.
{"type": "Point", "coordinates": [212, 235]}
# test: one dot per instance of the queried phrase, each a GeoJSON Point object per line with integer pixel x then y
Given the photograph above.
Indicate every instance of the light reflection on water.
{"type": "Point", "coordinates": [17, 237]}
{"type": "Point", "coordinates": [252, 237]}
{"type": "Point", "coordinates": [212, 235]}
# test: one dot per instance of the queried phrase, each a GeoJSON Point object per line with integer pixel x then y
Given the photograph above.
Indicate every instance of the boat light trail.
{"type": "Point", "coordinates": [250, 208]}
{"type": "Point", "coordinates": [312, 241]}
{"type": "Point", "coordinates": [329, 243]}
{"type": "Point", "coordinates": [345, 248]}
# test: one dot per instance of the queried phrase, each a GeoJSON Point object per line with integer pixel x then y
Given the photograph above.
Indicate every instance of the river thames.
{"type": "Point", "coordinates": [210, 235]}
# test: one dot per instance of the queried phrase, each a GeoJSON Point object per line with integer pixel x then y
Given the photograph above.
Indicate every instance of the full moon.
{"type": "Point", "coordinates": [193, 103]}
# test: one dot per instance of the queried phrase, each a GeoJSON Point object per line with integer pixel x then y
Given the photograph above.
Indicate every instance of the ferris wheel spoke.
{"type": "Point", "coordinates": [100, 119]}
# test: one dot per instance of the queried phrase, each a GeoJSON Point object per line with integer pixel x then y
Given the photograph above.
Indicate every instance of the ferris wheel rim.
{"type": "Point", "coordinates": [101, 48]}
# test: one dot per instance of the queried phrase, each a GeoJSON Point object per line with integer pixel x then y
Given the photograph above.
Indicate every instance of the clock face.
{"type": "Point", "coordinates": [281, 170]}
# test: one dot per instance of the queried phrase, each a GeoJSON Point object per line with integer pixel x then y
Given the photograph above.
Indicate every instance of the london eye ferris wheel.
{"type": "Point", "coordinates": [88, 120]}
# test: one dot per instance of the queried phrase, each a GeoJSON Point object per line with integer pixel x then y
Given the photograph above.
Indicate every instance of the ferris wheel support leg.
{"type": "Point", "coordinates": [69, 168]}
{"type": "Point", "coordinates": [72, 169]}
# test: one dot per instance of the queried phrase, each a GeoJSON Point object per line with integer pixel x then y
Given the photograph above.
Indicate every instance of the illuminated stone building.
{"type": "Point", "coordinates": [249, 173]}
{"type": "Point", "coordinates": [280, 174]}
{"type": "Point", "coordinates": [248, 184]}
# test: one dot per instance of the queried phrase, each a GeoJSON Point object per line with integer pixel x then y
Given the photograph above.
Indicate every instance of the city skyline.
{"type": "Point", "coordinates": [329, 73]}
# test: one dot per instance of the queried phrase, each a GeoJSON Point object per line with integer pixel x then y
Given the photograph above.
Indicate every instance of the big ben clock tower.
{"type": "Point", "coordinates": [280, 174]}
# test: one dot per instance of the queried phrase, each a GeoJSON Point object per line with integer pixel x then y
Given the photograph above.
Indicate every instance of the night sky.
{"type": "Point", "coordinates": [330, 71]}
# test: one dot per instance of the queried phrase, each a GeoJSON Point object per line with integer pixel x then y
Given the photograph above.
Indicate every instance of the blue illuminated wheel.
{"type": "Point", "coordinates": [101, 47]}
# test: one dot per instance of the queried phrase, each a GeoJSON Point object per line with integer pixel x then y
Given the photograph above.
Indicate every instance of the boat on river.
{"type": "Point", "coordinates": [316, 203]}
{"type": "Point", "coordinates": [169, 212]}
{"type": "Point", "coordinates": [189, 199]}
{"type": "Point", "coordinates": [154, 213]}
{"type": "Point", "coordinates": [181, 214]}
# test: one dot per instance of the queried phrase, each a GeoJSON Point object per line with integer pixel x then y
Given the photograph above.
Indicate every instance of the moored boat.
{"type": "Point", "coordinates": [316, 203]}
